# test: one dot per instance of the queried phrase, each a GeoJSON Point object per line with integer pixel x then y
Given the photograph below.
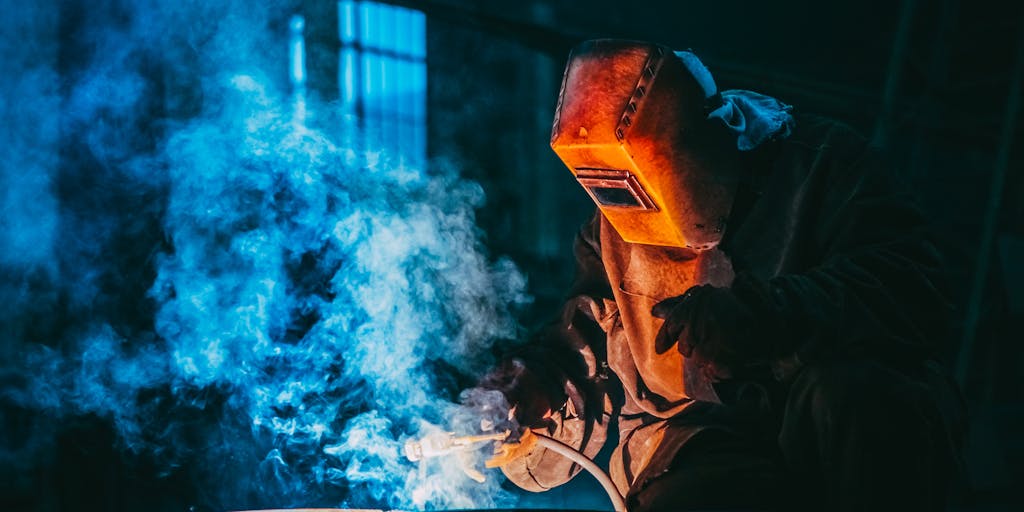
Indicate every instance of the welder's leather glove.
{"type": "Point", "coordinates": [726, 328]}
{"type": "Point", "coordinates": [533, 397]}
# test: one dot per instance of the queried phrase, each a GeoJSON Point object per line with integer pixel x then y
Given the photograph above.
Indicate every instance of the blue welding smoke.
{"type": "Point", "coordinates": [226, 284]}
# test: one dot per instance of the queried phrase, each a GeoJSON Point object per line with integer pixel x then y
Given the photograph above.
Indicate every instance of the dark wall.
{"type": "Point", "coordinates": [490, 105]}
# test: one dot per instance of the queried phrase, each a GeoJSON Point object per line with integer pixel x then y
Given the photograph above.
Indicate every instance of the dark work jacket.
{"type": "Point", "coordinates": [819, 218]}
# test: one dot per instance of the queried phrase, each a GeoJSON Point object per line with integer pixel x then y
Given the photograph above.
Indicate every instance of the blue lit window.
{"type": "Point", "coordinates": [383, 74]}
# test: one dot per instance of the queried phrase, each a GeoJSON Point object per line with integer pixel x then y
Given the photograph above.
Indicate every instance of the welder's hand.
{"type": "Point", "coordinates": [532, 398]}
{"type": "Point", "coordinates": [727, 328]}
{"type": "Point", "coordinates": [511, 451]}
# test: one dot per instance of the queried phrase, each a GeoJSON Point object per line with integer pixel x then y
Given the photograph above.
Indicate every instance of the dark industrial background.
{"type": "Point", "coordinates": [937, 83]}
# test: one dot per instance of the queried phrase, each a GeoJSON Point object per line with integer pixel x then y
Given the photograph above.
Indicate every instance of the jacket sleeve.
{"type": "Point", "coordinates": [872, 291]}
{"type": "Point", "coordinates": [570, 352]}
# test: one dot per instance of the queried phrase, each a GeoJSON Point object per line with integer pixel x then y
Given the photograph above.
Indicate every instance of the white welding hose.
{"type": "Point", "coordinates": [572, 454]}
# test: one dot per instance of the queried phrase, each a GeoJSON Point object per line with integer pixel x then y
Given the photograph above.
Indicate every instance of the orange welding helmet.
{"type": "Point", "coordinates": [629, 124]}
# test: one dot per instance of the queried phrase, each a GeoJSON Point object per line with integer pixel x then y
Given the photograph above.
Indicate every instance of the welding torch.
{"type": "Point", "coordinates": [447, 444]}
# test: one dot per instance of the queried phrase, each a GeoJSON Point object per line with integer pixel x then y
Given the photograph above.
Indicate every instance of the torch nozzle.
{"type": "Point", "coordinates": [445, 444]}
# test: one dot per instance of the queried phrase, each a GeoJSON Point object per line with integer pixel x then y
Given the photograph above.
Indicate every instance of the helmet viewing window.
{"type": "Point", "coordinates": [613, 188]}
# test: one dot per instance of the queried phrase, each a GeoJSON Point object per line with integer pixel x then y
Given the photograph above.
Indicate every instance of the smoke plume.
{"type": "Point", "coordinates": [226, 283]}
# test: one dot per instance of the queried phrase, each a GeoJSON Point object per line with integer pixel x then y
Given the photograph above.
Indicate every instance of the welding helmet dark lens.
{"type": "Point", "coordinates": [621, 197]}
{"type": "Point", "coordinates": [614, 188]}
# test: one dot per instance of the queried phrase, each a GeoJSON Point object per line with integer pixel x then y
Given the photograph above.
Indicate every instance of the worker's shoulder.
{"type": "Point", "coordinates": [834, 153]}
{"type": "Point", "coordinates": [826, 136]}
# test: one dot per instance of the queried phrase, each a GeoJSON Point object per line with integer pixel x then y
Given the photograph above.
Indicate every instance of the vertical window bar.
{"type": "Point", "coordinates": [347, 78]}
{"type": "Point", "coordinates": [367, 33]}
{"type": "Point", "coordinates": [297, 66]}
{"type": "Point", "coordinates": [347, 22]}
{"type": "Point", "coordinates": [297, 53]}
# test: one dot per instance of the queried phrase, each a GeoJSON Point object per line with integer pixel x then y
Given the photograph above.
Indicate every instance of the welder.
{"type": "Point", "coordinates": [755, 310]}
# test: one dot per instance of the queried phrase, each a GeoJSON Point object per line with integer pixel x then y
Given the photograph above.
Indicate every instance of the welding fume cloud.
{"type": "Point", "coordinates": [229, 287]}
